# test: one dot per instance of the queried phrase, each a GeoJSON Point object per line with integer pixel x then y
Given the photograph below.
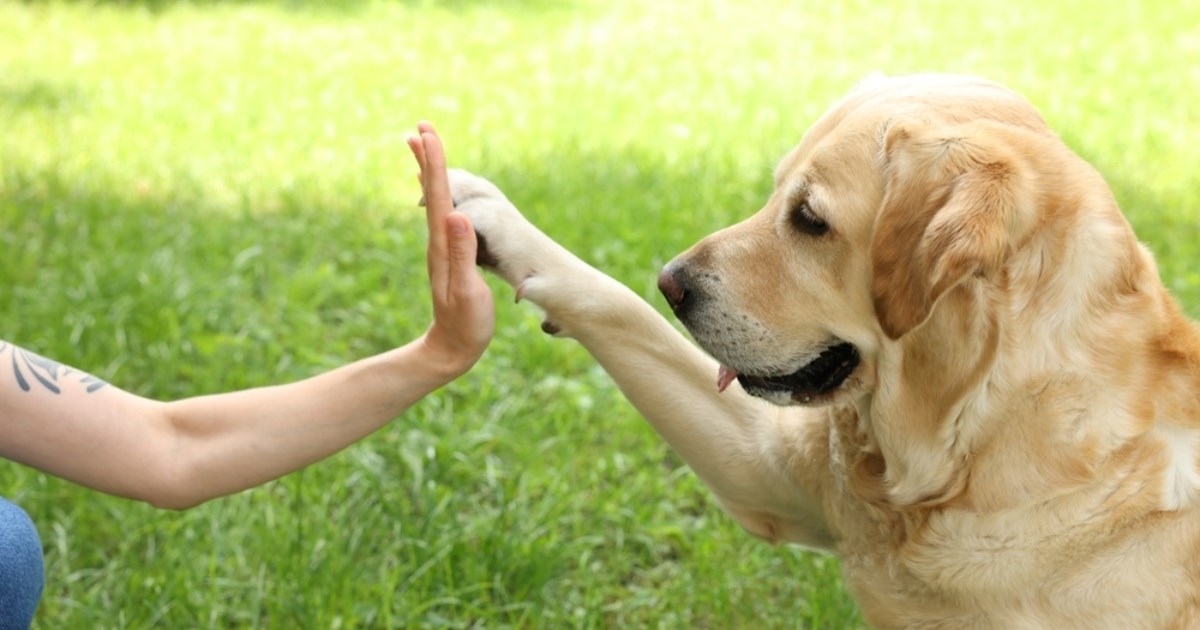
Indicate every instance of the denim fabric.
{"type": "Point", "coordinates": [21, 571]}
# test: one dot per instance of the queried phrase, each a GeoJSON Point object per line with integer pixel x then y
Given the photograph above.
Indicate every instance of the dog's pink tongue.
{"type": "Point", "coordinates": [725, 376]}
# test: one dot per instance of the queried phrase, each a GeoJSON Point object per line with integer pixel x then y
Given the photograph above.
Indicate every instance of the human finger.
{"type": "Point", "coordinates": [418, 151]}
{"type": "Point", "coordinates": [438, 204]}
{"type": "Point", "coordinates": [463, 248]}
{"type": "Point", "coordinates": [434, 180]}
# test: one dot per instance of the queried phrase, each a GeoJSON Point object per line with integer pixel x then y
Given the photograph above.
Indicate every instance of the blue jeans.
{"type": "Point", "coordinates": [22, 575]}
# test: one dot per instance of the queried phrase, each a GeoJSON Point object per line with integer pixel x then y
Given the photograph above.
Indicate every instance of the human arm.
{"type": "Point", "coordinates": [178, 454]}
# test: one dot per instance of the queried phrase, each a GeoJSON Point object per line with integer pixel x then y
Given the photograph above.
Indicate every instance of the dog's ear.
{"type": "Point", "coordinates": [957, 201]}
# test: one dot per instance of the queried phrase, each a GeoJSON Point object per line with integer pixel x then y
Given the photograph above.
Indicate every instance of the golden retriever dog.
{"type": "Point", "coordinates": [938, 351]}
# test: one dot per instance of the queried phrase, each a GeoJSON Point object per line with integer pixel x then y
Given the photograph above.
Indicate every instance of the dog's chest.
{"type": "Point", "coordinates": [1005, 571]}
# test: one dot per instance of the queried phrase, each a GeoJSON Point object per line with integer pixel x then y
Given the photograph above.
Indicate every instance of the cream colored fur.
{"type": "Point", "coordinates": [1018, 447]}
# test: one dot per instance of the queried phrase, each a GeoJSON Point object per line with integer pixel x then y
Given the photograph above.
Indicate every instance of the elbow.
{"type": "Point", "coordinates": [168, 485]}
{"type": "Point", "coordinates": [168, 481]}
{"type": "Point", "coordinates": [176, 502]}
{"type": "Point", "coordinates": [170, 495]}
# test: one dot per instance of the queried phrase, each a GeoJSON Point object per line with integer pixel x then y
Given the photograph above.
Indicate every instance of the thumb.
{"type": "Point", "coordinates": [463, 245]}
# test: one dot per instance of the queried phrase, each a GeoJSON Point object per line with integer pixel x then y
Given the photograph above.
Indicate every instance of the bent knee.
{"type": "Point", "coordinates": [22, 573]}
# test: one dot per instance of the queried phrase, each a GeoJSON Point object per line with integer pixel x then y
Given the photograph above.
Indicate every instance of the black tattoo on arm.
{"type": "Point", "coordinates": [29, 366]}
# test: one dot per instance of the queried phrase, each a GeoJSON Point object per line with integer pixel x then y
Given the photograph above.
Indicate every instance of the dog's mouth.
{"type": "Point", "coordinates": [809, 384]}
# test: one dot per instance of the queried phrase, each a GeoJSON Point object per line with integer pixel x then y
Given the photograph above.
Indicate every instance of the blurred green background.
{"type": "Point", "coordinates": [202, 196]}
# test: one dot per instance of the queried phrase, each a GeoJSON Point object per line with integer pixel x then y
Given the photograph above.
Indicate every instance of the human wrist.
{"type": "Point", "coordinates": [444, 363]}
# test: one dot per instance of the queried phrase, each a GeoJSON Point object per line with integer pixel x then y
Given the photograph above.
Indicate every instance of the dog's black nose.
{"type": "Point", "coordinates": [674, 286]}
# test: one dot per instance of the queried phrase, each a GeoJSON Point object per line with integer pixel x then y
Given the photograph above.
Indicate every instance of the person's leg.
{"type": "Point", "coordinates": [22, 574]}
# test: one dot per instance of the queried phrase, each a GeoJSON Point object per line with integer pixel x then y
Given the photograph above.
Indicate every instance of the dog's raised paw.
{"type": "Point", "coordinates": [509, 245]}
{"type": "Point", "coordinates": [513, 248]}
{"type": "Point", "coordinates": [465, 186]}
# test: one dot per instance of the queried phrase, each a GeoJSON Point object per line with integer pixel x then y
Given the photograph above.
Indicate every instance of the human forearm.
{"type": "Point", "coordinates": [225, 443]}
{"type": "Point", "coordinates": [182, 453]}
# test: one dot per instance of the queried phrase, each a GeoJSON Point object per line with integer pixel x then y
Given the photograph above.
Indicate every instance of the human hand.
{"type": "Point", "coordinates": [464, 316]}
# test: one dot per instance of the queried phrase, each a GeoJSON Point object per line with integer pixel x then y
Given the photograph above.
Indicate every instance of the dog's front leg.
{"type": "Point", "coordinates": [766, 464]}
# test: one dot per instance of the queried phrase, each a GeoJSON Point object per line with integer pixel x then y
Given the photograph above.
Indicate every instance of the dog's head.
{"type": "Point", "coordinates": [873, 274]}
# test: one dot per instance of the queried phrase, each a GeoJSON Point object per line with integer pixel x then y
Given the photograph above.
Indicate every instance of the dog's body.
{"type": "Point", "coordinates": [986, 403]}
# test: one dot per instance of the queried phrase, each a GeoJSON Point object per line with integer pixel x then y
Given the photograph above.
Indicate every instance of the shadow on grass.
{"type": "Point", "coordinates": [174, 267]}
{"type": "Point", "coordinates": [625, 213]}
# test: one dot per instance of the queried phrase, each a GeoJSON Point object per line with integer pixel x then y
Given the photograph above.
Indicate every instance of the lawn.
{"type": "Point", "coordinates": [197, 197]}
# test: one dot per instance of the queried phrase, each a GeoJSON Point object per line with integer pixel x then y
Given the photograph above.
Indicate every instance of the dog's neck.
{"type": "Point", "coordinates": [1082, 362]}
{"type": "Point", "coordinates": [1085, 295]}
{"type": "Point", "coordinates": [1097, 372]}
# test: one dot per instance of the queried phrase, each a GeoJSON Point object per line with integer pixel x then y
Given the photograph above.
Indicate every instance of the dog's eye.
{"type": "Point", "coordinates": [803, 219]}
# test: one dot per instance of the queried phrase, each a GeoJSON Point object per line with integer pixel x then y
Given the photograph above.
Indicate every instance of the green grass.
{"type": "Point", "coordinates": [196, 197]}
